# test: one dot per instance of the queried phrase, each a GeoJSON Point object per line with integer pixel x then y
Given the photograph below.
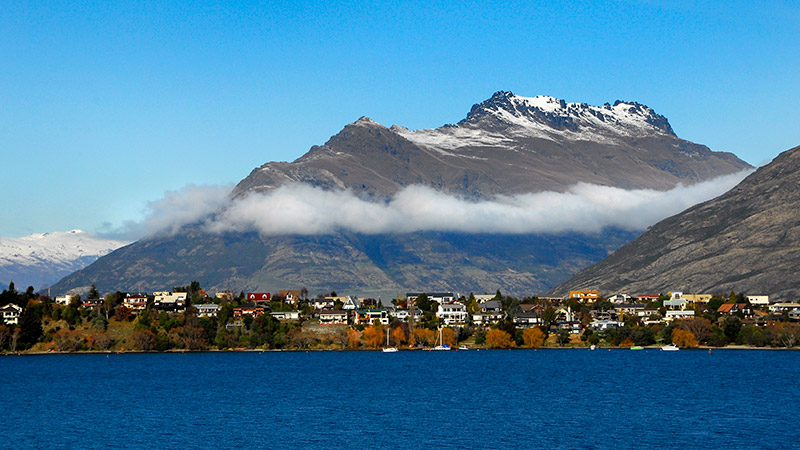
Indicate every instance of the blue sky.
{"type": "Point", "coordinates": [105, 106]}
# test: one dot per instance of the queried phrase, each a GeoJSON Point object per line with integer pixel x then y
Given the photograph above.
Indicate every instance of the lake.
{"type": "Point", "coordinates": [550, 399]}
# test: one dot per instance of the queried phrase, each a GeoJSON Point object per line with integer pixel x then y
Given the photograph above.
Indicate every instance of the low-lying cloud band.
{"type": "Point", "coordinates": [307, 210]}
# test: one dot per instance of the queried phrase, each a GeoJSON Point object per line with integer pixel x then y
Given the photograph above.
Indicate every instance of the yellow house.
{"type": "Point", "coordinates": [697, 298]}
{"type": "Point", "coordinates": [585, 296]}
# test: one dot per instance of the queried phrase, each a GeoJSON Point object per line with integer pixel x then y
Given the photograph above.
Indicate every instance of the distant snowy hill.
{"type": "Point", "coordinates": [43, 258]}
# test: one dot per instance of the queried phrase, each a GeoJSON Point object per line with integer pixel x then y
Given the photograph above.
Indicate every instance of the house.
{"type": "Point", "coordinates": [369, 316]}
{"type": "Point", "coordinates": [333, 317]}
{"type": "Point", "coordinates": [290, 297]}
{"type": "Point", "coordinates": [92, 303]}
{"type": "Point", "coordinates": [630, 310]}
{"type": "Point", "coordinates": [758, 300]}
{"type": "Point", "coordinates": [452, 313]}
{"type": "Point", "coordinates": [676, 301]}
{"type": "Point", "coordinates": [528, 319]}
{"type": "Point", "coordinates": [647, 298]}
{"type": "Point", "coordinates": [564, 315]}
{"type": "Point", "coordinates": [403, 314]}
{"type": "Point", "coordinates": [207, 310]}
{"type": "Point", "coordinates": [491, 313]}
{"type": "Point", "coordinates": [258, 297]}
{"type": "Point", "coordinates": [438, 297]}
{"type": "Point", "coordinates": [697, 298]}
{"type": "Point", "coordinates": [779, 308]}
{"type": "Point", "coordinates": [352, 304]}
{"type": "Point", "coordinates": [248, 309]}
{"type": "Point", "coordinates": [225, 295]}
{"type": "Point", "coordinates": [673, 314]}
{"type": "Point", "coordinates": [66, 299]}
{"type": "Point", "coordinates": [585, 295]}
{"type": "Point", "coordinates": [285, 315]}
{"type": "Point", "coordinates": [167, 301]}
{"type": "Point", "coordinates": [322, 303]}
{"type": "Point", "coordinates": [727, 308]}
{"type": "Point", "coordinates": [607, 314]}
{"type": "Point", "coordinates": [10, 314]}
{"type": "Point", "coordinates": [604, 324]}
{"type": "Point", "coordinates": [620, 298]}
{"type": "Point", "coordinates": [136, 302]}
{"type": "Point", "coordinates": [483, 298]}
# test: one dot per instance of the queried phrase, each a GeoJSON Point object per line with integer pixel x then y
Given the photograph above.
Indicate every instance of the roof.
{"type": "Point", "coordinates": [725, 307]}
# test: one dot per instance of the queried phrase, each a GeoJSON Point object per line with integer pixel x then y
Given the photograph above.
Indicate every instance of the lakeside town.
{"type": "Point", "coordinates": [189, 318]}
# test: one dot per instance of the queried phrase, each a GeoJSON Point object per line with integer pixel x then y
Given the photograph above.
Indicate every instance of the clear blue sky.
{"type": "Point", "coordinates": [106, 105]}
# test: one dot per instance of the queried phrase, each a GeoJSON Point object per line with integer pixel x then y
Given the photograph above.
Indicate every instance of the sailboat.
{"type": "Point", "coordinates": [441, 346]}
{"type": "Point", "coordinates": [388, 349]}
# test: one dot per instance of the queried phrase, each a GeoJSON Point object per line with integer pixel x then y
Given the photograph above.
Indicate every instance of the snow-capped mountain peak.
{"type": "Point", "coordinates": [42, 258]}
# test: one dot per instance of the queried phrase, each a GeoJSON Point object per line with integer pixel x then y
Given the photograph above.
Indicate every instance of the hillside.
{"type": "Point", "coordinates": [746, 240]}
{"type": "Point", "coordinates": [506, 145]}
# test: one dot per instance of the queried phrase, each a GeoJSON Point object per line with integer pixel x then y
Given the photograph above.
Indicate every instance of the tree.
{"type": "Point", "coordinates": [498, 339]}
{"type": "Point", "coordinates": [698, 326]}
{"type": "Point", "coordinates": [683, 338]}
{"type": "Point", "coordinates": [30, 325]}
{"type": "Point", "coordinates": [5, 332]}
{"type": "Point", "coordinates": [423, 302]}
{"type": "Point", "coordinates": [93, 293]}
{"type": "Point", "coordinates": [103, 340]}
{"type": "Point", "coordinates": [144, 339]}
{"type": "Point", "coordinates": [353, 338]}
{"type": "Point", "coordinates": [424, 336]}
{"type": "Point", "coordinates": [533, 337]}
{"type": "Point", "coordinates": [731, 327]}
{"type": "Point", "coordinates": [449, 337]}
{"type": "Point", "coordinates": [373, 336]}
{"type": "Point", "coordinates": [399, 336]}
{"type": "Point", "coordinates": [563, 337]}
{"type": "Point", "coordinates": [788, 334]}
{"type": "Point", "coordinates": [68, 340]}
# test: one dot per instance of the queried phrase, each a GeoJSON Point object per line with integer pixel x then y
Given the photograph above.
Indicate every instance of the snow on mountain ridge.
{"type": "Point", "coordinates": [56, 247]}
{"type": "Point", "coordinates": [505, 115]}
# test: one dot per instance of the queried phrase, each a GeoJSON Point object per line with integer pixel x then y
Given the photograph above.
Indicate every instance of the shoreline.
{"type": "Point", "coordinates": [317, 350]}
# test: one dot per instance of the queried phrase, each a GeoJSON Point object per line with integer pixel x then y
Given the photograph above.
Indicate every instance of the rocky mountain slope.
{"type": "Point", "coordinates": [747, 240]}
{"type": "Point", "coordinates": [506, 145]}
{"type": "Point", "coordinates": [44, 258]}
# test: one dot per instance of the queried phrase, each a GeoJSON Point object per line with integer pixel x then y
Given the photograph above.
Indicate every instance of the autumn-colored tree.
{"type": "Point", "coordinates": [144, 339]}
{"type": "Point", "coordinates": [498, 339]}
{"type": "Point", "coordinates": [68, 340]}
{"type": "Point", "coordinates": [373, 336]}
{"type": "Point", "coordinates": [123, 313]}
{"type": "Point", "coordinates": [5, 332]}
{"type": "Point", "coordinates": [698, 326]}
{"type": "Point", "coordinates": [533, 337]}
{"type": "Point", "coordinates": [788, 334]}
{"type": "Point", "coordinates": [399, 336]}
{"type": "Point", "coordinates": [424, 336]}
{"type": "Point", "coordinates": [103, 341]}
{"type": "Point", "coordinates": [449, 337]}
{"type": "Point", "coordinates": [683, 338]}
{"type": "Point", "coordinates": [627, 343]}
{"type": "Point", "coordinates": [353, 338]}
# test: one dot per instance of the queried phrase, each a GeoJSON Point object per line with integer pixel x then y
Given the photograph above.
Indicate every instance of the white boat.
{"type": "Point", "coordinates": [670, 348]}
{"type": "Point", "coordinates": [441, 347]}
{"type": "Point", "coordinates": [593, 347]}
{"type": "Point", "coordinates": [388, 349]}
{"type": "Point", "coordinates": [463, 347]}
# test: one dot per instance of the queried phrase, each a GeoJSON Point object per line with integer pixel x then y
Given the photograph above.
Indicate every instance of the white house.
{"type": "Point", "coordinates": [333, 317]}
{"type": "Point", "coordinates": [207, 310]}
{"type": "Point", "coordinates": [10, 314]}
{"type": "Point", "coordinates": [285, 315]}
{"type": "Point", "coordinates": [352, 303]}
{"type": "Point", "coordinates": [758, 299]}
{"type": "Point", "coordinates": [673, 314]}
{"type": "Point", "coordinates": [620, 298]}
{"type": "Point", "coordinates": [602, 325]}
{"type": "Point", "coordinates": [168, 301]}
{"type": "Point", "coordinates": [135, 302]}
{"type": "Point", "coordinates": [65, 299]}
{"type": "Point", "coordinates": [783, 307]}
{"type": "Point", "coordinates": [452, 313]}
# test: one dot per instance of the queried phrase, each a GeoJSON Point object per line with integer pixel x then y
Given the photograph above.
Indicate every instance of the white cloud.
{"type": "Point", "coordinates": [306, 210]}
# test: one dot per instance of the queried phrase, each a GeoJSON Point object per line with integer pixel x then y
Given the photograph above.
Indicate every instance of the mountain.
{"type": "Point", "coordinates": [43, 258]}
{"type": "Point", "coordinates": [745, 240]}
{"type": "Point", "coordinates": [506, 145]}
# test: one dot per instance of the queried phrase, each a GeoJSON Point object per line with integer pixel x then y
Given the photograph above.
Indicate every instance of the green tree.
{"type": "Point", "coordinates": [93, 293]}
{"type": "Point", "coordinates": [30, 325]}
{"type": "Point", "coordinates": [424, 303]}
{"type": "Point", "coordinates": [731, 327]}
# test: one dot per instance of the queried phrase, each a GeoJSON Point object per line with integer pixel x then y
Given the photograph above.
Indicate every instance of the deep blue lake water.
{"type": "Point", "coordinates": [569, 399]}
